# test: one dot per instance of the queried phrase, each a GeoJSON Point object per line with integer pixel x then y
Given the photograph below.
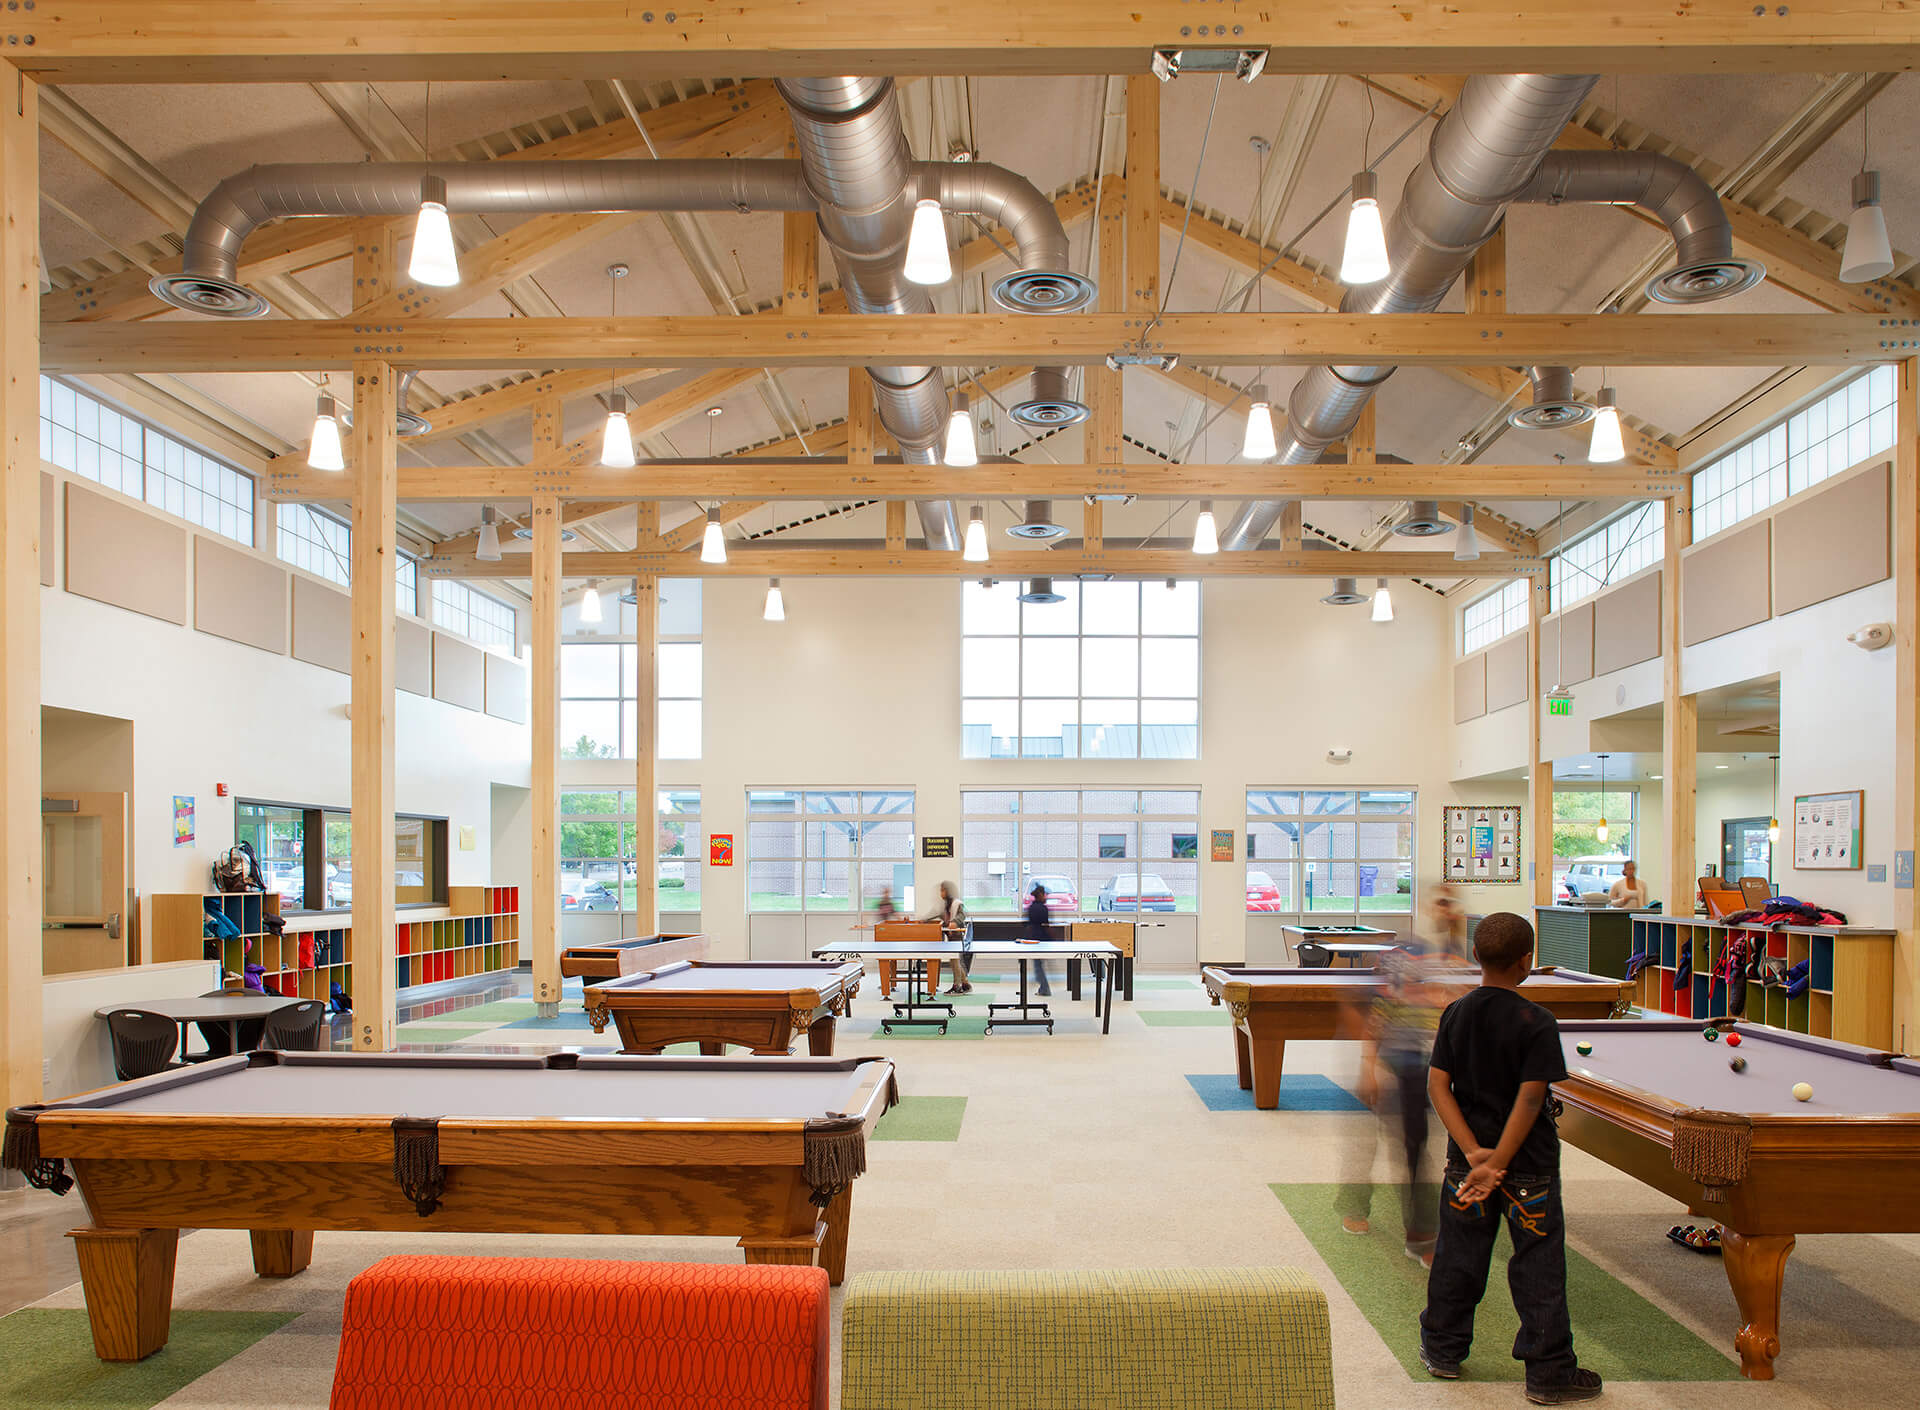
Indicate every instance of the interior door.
{"type": "Point", "coordinates": [86, 906]}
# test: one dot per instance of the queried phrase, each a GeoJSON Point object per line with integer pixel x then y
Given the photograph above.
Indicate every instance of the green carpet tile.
{"type": "Point", "coordinates": [1183, 1018]}
{"type": "Point", "coordinates": [959, 1027]}
{"type": "Point", "coordinates": [46, 1358]}
{"type": "Point", "coordinates": [499, 1011]}
{"type": "Point", "coordinates": [437, 1033]}
{"type": "Point", "coordinates": [1616, 1331]}
{"type": "Point", "coordinates": [922, 1119]}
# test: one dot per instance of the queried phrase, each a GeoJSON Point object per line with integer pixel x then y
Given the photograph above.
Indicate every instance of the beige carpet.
{"type": "Point", "coordinates": [1084, 1151]}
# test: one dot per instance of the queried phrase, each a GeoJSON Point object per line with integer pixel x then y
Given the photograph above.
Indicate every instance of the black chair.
{"type": "Point", "coordinates": [143, 1043]}
{"type": "Point", "coordinates": [296, 1028]}
{"type": "Point", "coordinates": [1312, 956]}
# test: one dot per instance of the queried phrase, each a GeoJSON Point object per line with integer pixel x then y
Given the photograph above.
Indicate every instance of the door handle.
{"type": "Point", "coordinates": [113, 926]}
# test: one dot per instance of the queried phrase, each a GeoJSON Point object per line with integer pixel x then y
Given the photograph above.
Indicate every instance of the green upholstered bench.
{"type": "Point", "coordinates": [1146, 1339]}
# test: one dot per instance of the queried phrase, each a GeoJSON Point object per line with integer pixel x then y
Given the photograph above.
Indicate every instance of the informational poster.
{"type": "Point", "coordinates": [183, 820]}
{"type": "Point", "coordinates": [936, 847]}
{"type": "Point", "coordinates": [720, 849]}
{"type": "Point", "coordinates": [1223, 844]}
{"type": "Point", "coordinates": [1826, 831]}
{"type": "Point", "coordinates": [1483, 844]}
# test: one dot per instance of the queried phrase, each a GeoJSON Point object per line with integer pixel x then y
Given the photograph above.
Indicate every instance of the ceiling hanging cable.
{"type": "Point", "coordinates": [1868, 254]}
{"type": "Point", "coordinates": [1364, 259]}
{"type": "Point", "coordinates": [1166, 287]}
{"type": "Point", "coordinates": [433, 259]}
{"type": "Point", "coordinates": [616, 442]}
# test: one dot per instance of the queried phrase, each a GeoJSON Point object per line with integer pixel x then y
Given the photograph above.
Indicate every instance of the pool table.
{"type": "Point", "coordinates": [1271, 1006]}
{"type": "Point", "coordinates": [282, 1144]}
{"type": "Point", "coordinates": [1350, 942]}
{"type": "Point", "coordinates": [1656, 1100]}
{"type": "Point", "coordinates": [629, 956]}
{"type": "Point", "coordinates": [758, 1005]}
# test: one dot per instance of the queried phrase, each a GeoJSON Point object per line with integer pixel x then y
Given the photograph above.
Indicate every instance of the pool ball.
{"type": "Point", "coordinates": [1802, 1092]}
{"type": "Point", "coordinates": [1709, 1032]}
{"type": "Point", "coordinates": [1583, 1048]}
{"type": "Point", "coordinates": [1738, 1064]}
{"type": "Point", "coordinates": [1733, 1040]}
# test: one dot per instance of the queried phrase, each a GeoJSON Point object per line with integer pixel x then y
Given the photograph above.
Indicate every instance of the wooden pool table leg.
{"type": "Point", "coordinates": [127, 1275]}
{"type": "Point", "coordinates": [833, 1244]}
{"type": "Point", "coordinates": [280, 1253]}
{"type": "Point", "coordinates": [1242, 1060]}
{"type": "Point", "coordinates": [1269, 1056]}
{"type": "Point", "coordinates": [820, 1037]}
{"type": "Point", "coordinates": [1756, 1265]}
{"type": "Point", "coordinates": [709, 1048]}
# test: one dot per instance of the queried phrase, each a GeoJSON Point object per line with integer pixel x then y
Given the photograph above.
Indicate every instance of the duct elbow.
{"type": "Point", "coordinates": [1043, 283]}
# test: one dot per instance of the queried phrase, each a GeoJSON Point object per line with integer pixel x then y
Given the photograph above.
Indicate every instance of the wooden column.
{"type": "Point", "coordinates": [861, 415]}
{"type": "Point", "coordinates": [646, 747]}
{"type": "Point", "coordinates": [375, 482]}
{"type": "Point", "coordinates": [1485, 286]}
{"type": "Point", "coordinates": [1360, 440]}
{"type": "Point", "coordinates": [1539, 823]}
{"type": "Point", "coordinates": [1681, 716]}
{"type": "Point", "coordinates": [1906, 739]}
{"type": "Point", "coordinates": [543, 742]}
{"type": "Point", "coordinates": [1143, 194]}
{"type": "Point", "coordinates": [800, 258]}
{"type": "Point", "coordinates": [20, 550]}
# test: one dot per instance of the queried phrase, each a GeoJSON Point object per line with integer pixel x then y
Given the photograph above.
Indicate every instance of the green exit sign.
{"type": "Point", "coordinates": [1559, 707]}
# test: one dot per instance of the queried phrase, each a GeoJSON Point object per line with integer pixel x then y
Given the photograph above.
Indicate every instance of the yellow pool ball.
{"type": "Point", "coordinates": [1802, 1091]}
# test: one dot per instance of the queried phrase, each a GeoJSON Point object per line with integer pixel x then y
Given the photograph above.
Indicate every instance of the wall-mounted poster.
{"type": "Point", "coordinates": [1482, 845]}
{"type": "Point", "coordinates": [1826, 831]}
{"type": "Point", "coordinates": [1223, 844]}
{"type": "Point", "coordinates": [720, 849]}
{"type": "Point", "coordinates": [183, 820]}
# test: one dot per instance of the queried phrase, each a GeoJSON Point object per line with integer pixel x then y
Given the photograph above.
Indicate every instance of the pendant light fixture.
{"type": "Point", "coordinates": [927, 258]}
{"type": "Point", "coordinates": [975, 548]}
{"type": "Point", "coordinates": [488, 549]}
{"type": "Point", "coordinates": [1365, 258]}
{"type": "Point", "coordinates": [616, 442]}
{"type": "Point", "coordinates": [713, 543]}
{"type": "Point", "coordinates": [776, 608]}
{"type": "Point", "coordinates": [1606, 446]}
{"type": "Point", "coordinates": [1206, 538]}
{"type": "Point", "coordinates": [1382, 601]}
{"type": "Point", "coordinates": [962, 449]}
{"type": "Point", "coordinates": [1466, 548]}
{"type": "Point", "coordinates": [1773, 822]}
{"type": "Point", "coordinates": [1600, 828]}
{"type": "Point", "coordinates": [1867, 254]}
{"type": "Point", "coordinates": [434, 259]}
{"type": "Point", "coordinates": [323, 447]}
{"type": "Point", "coordinates": [590, 605]}
{"type": "Point", "coordinates": [1259, 443]}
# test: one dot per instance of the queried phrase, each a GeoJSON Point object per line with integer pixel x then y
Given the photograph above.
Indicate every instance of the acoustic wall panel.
{"type": "Point", "coordinates": [1566, 647]}
{"type": "Point", "coordinates": [506, 689]}
{"type": "Point", "coordinates": [1831, 541]}
{"type": "Point", "coordinates": [239, 596]}
{"type": "Point", "coordinates": [413, 656]}
{"type": "Point", "coordinates": [1470, 689]}
{"type": "Point", "coordinates": [1626, 624]}
{"type": "Point", "coordinates": [1507, 672]}
{"type": "Point", "coordinates": [459, 673]}
{"type": "Point", "coordinates": [1724, 584]}
{"type": "Point", "coordinates": [322, 625]}
{"type": "Point", "coordinates": [125, 557]}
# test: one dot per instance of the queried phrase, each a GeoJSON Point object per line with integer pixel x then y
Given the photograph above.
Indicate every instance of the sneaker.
{"type": "Point", "coordinates": [1422, 1256]}
{"type": "Point", "coordinates": [1577, 1385]}
{"type": "Point", "coordinates": [1355, 1224]}
{"type": "Point", "coordinates": [1444, 1370]}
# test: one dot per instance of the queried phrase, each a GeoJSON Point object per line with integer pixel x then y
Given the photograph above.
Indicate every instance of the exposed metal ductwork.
{"type": "Point", "coordinates": [1554, 406]}
{"type": "Point", "coordinates": [1037, 523]}
{"type": "Point", "coordinates": [1490, 149]}
{"type": "Point", "coordinates": [1423, 520]}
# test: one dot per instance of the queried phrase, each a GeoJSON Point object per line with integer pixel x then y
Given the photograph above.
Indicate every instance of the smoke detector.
{"type": "Point", "coordinates": [1040, 590]}
{"type": "Point", "coordinates": [1423, 520]}
{"type": "Point", "coordinates": [1346, 593]}
{"type": "Point", "coordinates": [1038, 524]}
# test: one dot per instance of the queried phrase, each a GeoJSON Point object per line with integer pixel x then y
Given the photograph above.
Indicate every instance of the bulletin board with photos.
{"type": "Point", "coordinates": [1483, 845]}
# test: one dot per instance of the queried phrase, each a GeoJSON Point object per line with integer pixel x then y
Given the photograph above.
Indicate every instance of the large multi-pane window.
{"type": "Point", "coordinates": [316, 541]}
{"type": "Point", "coordinates": [1105, 849]}
{"type": "Point", "coordinates": [1500, 613]}
{"type": "Point", "coordinates": [1576, 835]}
{"type": "Point", "coordinates": [474, 615]}
{"type": "Point", "coordinates": [597, 672]}
{"type": "Point", "coordinates": [1111, 671]}
{"type": "Point", "coordinates": [306, 854]}
{"type": "Point", "coordinates": [86, 436]}
{"type": "Point", "coordinates": [406, 586]}
{"type": "Point", "coordinates": [1850, 424]}
{"type": "Point", "coordinates": [1330, 850]}
{"type": "Point", "coordinates": [828, 849]}
{"type": "Point", "coordinates": [1615, 551]}
{"type": "Point", "coordinates": [600, 847]}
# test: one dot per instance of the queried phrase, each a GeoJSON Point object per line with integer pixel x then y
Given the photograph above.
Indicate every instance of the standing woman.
{"type": "Point", "coordinates": [1039, 931]}
{"type": "Point", "coordinates": [953, 926]}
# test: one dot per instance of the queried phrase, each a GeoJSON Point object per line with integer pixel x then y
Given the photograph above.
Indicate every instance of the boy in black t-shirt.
{"type": "Point", "coordinates": [1493, 1057]}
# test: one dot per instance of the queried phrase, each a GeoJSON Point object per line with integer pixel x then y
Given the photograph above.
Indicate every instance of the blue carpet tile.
{"type": "Point", "coordinates": [1299, 1091]}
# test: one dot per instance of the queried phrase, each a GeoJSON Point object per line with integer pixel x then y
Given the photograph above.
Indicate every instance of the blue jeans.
{"type": "Point", "coordinates": [1529, 1205]}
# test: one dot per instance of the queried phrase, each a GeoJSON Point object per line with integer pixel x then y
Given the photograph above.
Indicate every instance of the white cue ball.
{"type": "Point", "coordinates": [1802, 1092]}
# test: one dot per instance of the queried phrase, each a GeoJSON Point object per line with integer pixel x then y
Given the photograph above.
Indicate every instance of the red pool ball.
{"type": "Point", "coordinates": [1733, 1040]}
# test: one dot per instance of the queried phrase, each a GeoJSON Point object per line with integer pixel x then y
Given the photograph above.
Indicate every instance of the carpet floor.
{"type": "Point", "coordinates": [1020, 1150]}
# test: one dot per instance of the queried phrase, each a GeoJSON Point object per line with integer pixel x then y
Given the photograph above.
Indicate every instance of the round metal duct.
{"type": "Point", "coordinates": [1049, 413]}
{"type": "Point", "coordinates": [1041, 590]}
{"type": "Point", "coordinates": [1703, 282]}
{"type": "Point", "coordinates": [1346, 593]}
{"type": "Point", "coordinates": [1423, 520]}
{"type": "Point", "coordinates": [209, 294]}
{"type": "Point", "coordinates": [1038, 524]}
{"type": "Point", "coordinates": [1044, 291]}
{"type": "Point", "coordinates": [1550, 416]}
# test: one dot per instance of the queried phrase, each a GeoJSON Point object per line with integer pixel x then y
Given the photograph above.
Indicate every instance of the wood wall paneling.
{"type": "Point", "coordinates": [1506, 673]}
{"type": "Point", "coordinates": [1725, 584]}
{"type": "Point", "coordinates": [239, 596]}
{"type": "Point", "coordinates": [506, 688]}
{"type": "Point", "coordinates": [1470, 689]}
{"type": "Point", "coordinates": [459, 673]}
{"type": "Point", "coordinates": [124, 556]}
{"type": "Point", "coordinates": [1832, 541]}
{"type": "Point", "coordinates": [1626, 625]}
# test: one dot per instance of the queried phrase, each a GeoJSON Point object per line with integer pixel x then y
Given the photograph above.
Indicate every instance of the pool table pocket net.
{"type": "Point", "coordinates": [1713, 1148]}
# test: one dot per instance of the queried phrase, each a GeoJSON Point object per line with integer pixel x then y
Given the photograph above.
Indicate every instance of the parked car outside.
{"type": "Point", "coordinates": [1061, 895]}
{"type": "Point", "coordinates": [1591, 874]}
{"type": "Point", "coordinates": [1146, 892]}
{"type": "Point", "coordinates": [580, 893]}
{"type": "Point", "coordinates": [1262, 893]}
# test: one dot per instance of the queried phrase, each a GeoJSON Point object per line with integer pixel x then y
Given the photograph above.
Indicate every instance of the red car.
{"type": "Point", "coordinates": [1060, 893]}
{"type": "Point", "coordinates": [1262, 894]}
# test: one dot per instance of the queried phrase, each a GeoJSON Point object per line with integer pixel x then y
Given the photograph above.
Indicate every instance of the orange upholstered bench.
{"type": "Point", "coordinates": [430, 1333]}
